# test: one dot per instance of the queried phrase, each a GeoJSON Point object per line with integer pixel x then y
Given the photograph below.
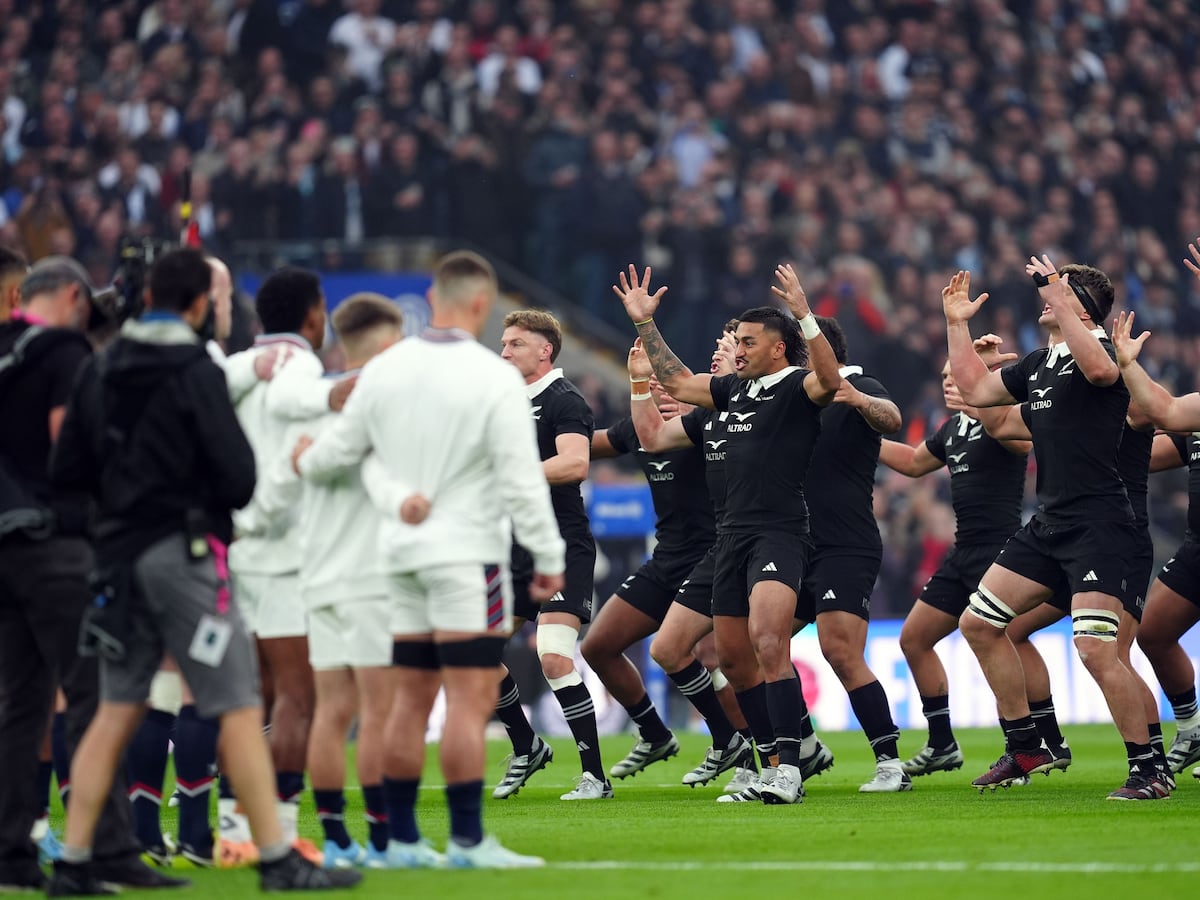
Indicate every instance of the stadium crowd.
{"type": "Point", "coordinates": [878, 145]}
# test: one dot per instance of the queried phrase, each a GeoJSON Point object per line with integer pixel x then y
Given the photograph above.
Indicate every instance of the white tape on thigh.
{"type": "Point", "coordinates": [1095, 623]}
{"type": "Point", "coordinates": [720, 682]}
{"type": "Point", "coordinates": [559, 640]}
{"type": "Point", "coordinates": [166, 692]}
{"type": "Point", "coordinates": [987, 606]}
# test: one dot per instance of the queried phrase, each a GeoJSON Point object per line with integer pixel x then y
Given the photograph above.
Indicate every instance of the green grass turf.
{"type": "Point", "coordinates": [1054, 838]}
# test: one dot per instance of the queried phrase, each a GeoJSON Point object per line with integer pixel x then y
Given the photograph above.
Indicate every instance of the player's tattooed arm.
{"type": "Point", "coordinates": [880, 413]}
{"type": "Point", "coordinates": [640, 305]}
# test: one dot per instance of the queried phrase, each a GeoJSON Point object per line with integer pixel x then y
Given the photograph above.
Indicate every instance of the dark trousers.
{"type": "Point", "coordinates": [43, 592]}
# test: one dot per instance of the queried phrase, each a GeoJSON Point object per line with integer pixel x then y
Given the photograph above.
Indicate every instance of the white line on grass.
{"type": "Point", "coordinates": [815, 865]}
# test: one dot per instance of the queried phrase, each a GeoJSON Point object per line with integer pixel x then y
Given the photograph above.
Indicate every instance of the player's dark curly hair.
{"type": "Point", "coordinates": [285, 298]}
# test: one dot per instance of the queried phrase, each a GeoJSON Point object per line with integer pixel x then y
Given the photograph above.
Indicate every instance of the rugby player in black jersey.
{"type": "Point", "coordinates": [987, 481]}
{"type": "Point", "coordinates": [531, 341]}
{"type": "Point", "coordinates": [774, 412]}
{"type": "Point", "coordinates": [1173, 606]}
{"type": "Point", "coordinates": [1076, 416]}
{"type": "Point", "coordinates": [684, 532]}
{"type": "Point", "coordinates": [837, 586]}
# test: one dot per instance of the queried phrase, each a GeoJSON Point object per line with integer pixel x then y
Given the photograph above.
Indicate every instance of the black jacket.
{"type": "Point", "coordinates": [151, 433]}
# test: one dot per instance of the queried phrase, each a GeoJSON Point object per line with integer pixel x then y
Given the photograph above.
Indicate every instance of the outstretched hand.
{"type": "Point", "coordinates": [640, 304]}
{"type": "Point", "coordinates": [1057, 290]}
{"type": "Point", "coordinates": [956, 299]}
{"type": "Point", "coordinates": [988, 349]}
{"type": "Point", "coordinates": [638, 363]}
{"type": "Point", "coordinates": [1127, 346]}
{"type": "Point", "coordinates": [790, 291]}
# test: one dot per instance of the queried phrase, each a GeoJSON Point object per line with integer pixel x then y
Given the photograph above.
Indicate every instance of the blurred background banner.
{"type": "Point", "coordinates": [407, 289]}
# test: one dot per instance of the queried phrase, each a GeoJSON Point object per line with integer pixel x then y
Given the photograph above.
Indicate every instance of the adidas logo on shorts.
{"type": "Point", "coordinates": [829, 595]}
{"type": "Point", "coordinates": [770, 567]}
{"type": "Point", "coordinates": [1091, 575]}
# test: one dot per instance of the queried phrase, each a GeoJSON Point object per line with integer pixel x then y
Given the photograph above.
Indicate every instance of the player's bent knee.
{"type": "Point", "coordinates": [556, 652]}
{"type": "Point", "coordinates": [719, 681]}
{"type": "Point", "coordinates": [987, 607]}
{"type": "Point", "coordinates": [415, 655]}
{"type": "Point", "coordinates": [483, 652]}
{"type": "Point", "coordinates": [1097, 624]}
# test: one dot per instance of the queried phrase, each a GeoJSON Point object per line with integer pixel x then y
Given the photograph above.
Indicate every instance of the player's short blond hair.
{"type": "Point", "coordinates": [539, 322]}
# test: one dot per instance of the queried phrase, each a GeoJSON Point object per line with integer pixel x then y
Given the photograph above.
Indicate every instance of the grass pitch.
{"type": "Point", "coordinates": [1057, 837]}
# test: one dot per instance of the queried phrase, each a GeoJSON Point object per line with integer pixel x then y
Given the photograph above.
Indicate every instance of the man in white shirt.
{"type": "Point", "coordinates": [450, 424]}
{"type": "Point", "coordinates": [367, 37]}
{"type": "Point", "coordinates": [265, 565]}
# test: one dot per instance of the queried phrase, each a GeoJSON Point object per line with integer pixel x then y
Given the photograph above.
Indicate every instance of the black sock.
{"type": "Point", "coordinates": [1046, 722]}
{"type": "Point", "coordinates": [1183, 704]}
{"type": "Point", "coordinates": [376, 812]}
{"type": "Point", "coordinates": [509, 712]}
{"type": "Point", "coordinates": [465, 801]}
{"type": "Point", "coordinates": [758, 718]}
{"type": "Point", "coordinates": [289, 786]}
{"type": "Point", "coordinates": [195, 763]}
{"type": "Point", "coordinates": [577, 706]}
{"type": "Point", "coordinates": [695, 683]}
{"type": "Point", "coordinates": [331, 809]}
{"type": "Point", "coordinates": [1156, 738]}
{"type": "Point", "coordinates": [1141, 758]}
{"type": "Point", "coordinates": [786, 705]}
{"type": "Point", "coordinates": [146, 762]}
{"type": "Point", "coordinates": [806, 725]}
{"type": "Point", "coordinates": [937, 714]}
{"type": "Point", "coordinates": [870, 705]}
{"type": "Point", "coordinates": [400, 798]}
{"type": "Point", "coordinates": [649, 725]}
{"type": "Point", "coordinates": [45, 773]}
{"type": "Point", "coordinates": [1021, 734]}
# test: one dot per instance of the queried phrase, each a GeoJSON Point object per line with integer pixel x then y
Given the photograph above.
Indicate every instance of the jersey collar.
{"type": "Point", "coordinates": [769, 381]}
{"type": "Point", "coordinates": [847, 371]}
{"type": "Point", "coordinates": [1062, 351]}
{"type": "Point", "coordinates": [283, 338]}
{"type": "Point", "coordinates": [532, 390]}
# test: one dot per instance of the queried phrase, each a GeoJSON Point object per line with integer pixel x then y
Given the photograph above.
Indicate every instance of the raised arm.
{"type": "Point", "coordinates": [1007, 425]}
{"type": "Point", "coordinates": [1168, 412]}
{"type": "Point", "coordinates": [979, 386]}
{"type": "Point", "coordinates": [822, 383]}
{"type": "Point", "coordinates": [907, 459]}
{"type": "Point", "coordinates": [655, 434]}
{"type": "Point", "coordinates": [676, 378]}
{"type": "Point", "coordinates": [1090, 356]}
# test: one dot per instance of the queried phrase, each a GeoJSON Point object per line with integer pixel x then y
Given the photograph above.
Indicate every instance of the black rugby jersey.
{"type": "Point", "coordinates": [772, 429]}
{"type": "Point", "coordinates": [685, 522]}
{"type": "Point", "coordinates": [706, 429]}
{"type": "Point", "coordinates": [560, 409]}
{"type": "Point", "coordinates": [987, 482]}
{"type": "Point", "coordinates": [840, 483]}
{"type": "Point", "coordinates": [1188, 446]}
{"type": "Point", "coordinates": [1077, 428]}
{"type": "Point", "coordinates": [1133, 462]}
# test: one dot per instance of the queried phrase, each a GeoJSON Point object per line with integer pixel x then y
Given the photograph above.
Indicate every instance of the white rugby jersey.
{"type": "Point", "coordinates": [272, 414]}
{"type": "Point", "coordinates": [447, 418]}
{"type": "Point", "coordinates": [337, 528]}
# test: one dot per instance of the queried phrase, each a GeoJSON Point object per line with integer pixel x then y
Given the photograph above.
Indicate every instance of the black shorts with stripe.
{"type": "Point", "coordinates": [578, 588]}
{"type": "Point", "coordinates": [653, 587]}
{"type": "Point", "coordinates": [949, 589]}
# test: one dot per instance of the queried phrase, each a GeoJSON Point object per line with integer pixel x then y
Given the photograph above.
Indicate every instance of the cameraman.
{"type": "Point", "coordinates": [151, 434]}
{"type": "Point", "coordinates": [44, 565]}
